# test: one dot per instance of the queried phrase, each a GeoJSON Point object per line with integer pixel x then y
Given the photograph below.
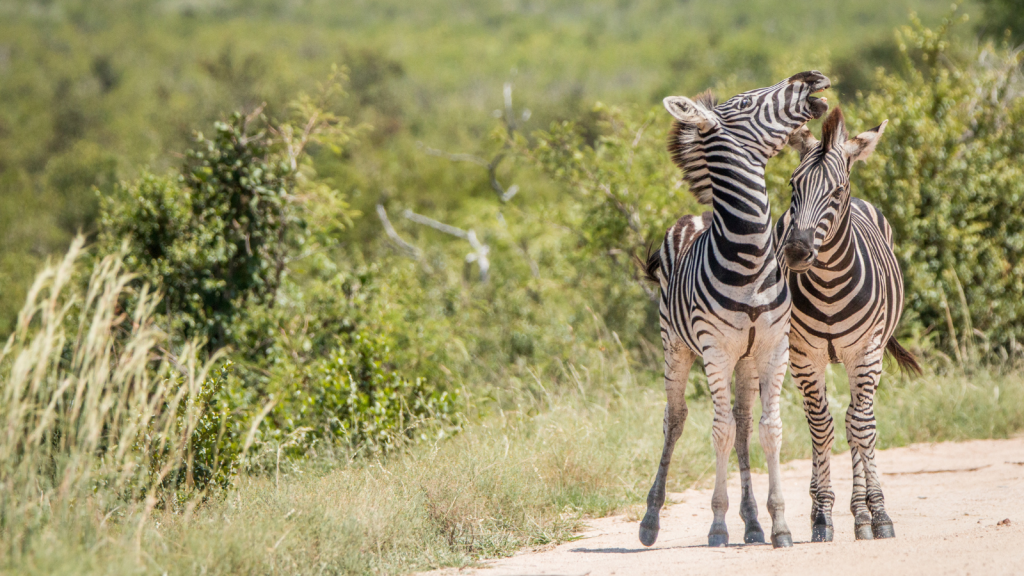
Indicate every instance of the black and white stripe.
{"type": "Point", "coordinates": [723, 296]}
{"type": "Point", "coordinates": [847, 299]}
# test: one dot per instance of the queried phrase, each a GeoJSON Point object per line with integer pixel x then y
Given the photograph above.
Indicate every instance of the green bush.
{"type": "Point", "coordinates": [623, 192]}
{"type": "Point", "coordinates": [348, 365]}
{"type": "Point", "coordinates": [1003, 18]}
{"type": "Point", "coordinates": [214, 238]}
{"type": "Point", "coordinates": [353, 397]}
{"type": "Point", "coordinates": [210, 455]}
{"type": "Point", "coordinates": [948, 176]}
{"type": "Point", "coordinates": [228, 244]}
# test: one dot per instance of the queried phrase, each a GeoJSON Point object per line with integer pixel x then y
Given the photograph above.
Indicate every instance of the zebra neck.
{"type": "Point", "coordinates": [834, 250]}
{"type": "Point", "coordinates": [741, 209]}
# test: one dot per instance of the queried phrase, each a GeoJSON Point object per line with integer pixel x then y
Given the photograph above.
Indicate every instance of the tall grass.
{"type": "Point", "coordinates": [518, 478]}
{"type": "Point", "coordinates": [95, 414]}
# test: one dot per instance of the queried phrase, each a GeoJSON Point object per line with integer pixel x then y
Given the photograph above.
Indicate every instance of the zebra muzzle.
{"type": "Point", "coordinates": [799, 255]}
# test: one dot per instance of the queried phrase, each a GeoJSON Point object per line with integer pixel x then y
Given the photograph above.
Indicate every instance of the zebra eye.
{"type": "Point", "coordinates": [745, 103]}
{"type": "Point", "coordinates": [837, 193]}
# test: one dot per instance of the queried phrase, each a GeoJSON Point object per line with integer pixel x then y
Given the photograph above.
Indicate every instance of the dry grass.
{"type": "Point", "coordinates": [511, 481]}
{"type": "Point", "coordinates": [94, 418]}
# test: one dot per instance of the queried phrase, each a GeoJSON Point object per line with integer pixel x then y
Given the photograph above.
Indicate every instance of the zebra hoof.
{"type": "Point", "coordinates": [821, 528]}
{"type": "Point", "coordinates": [821, 533]}
{"type": "Point", "coordinates": [882, 529]}
{"type": "Point", "coordinates": [782, 540]}
{"type": "Point", "coordinates": [753, 535]}
{"type": "Point", "coordinates": [863, 532]}
{"type": "Point", "coordinates": [649, 529]}
{"type": "Point", "coordinates": [718, 537]}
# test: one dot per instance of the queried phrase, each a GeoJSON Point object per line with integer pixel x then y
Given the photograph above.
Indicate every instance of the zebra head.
{"type": "Point", "coordinates": [759, 121]}
{"type": "Point", "coordinates": [821, 186]}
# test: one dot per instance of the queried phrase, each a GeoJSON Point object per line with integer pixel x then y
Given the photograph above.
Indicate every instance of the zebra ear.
{"type": "Point", "coordinates": [863, 145]}
{"type": "Point", "coordinates": [689, 112]}
{"type": "Point", "coordinates": [802, 141]}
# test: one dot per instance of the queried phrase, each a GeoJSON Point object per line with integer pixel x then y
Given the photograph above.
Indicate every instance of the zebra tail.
{"type": "Point", "coordinates": [905, 360]}
{"type": "Point", "coordinates": [652, 266]}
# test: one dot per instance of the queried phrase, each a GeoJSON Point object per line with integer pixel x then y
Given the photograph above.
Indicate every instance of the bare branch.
{"type": "Point", "coordinates": [510, 117]}
{"type": "Point", "coordinates": [524, 250]}
{"type": "Point", "coordinates": [439, 226]}
{"type": "Point", "coordinates": [248, 119]}
{"type": "Point", "coordinates": [409, 249]}
{"type": "Point", "coordinates": [640, 133]}
{"type": "Point", "coordinates": [479, 255]}
{"type": "Point", "coordinates": [508, 194]}
{"type": "Point", "coordinates": [457, 157]}
{"type": "Point", "coordinates": [480, 252]}
{"type": "Point", "coordinates": [491, 166]}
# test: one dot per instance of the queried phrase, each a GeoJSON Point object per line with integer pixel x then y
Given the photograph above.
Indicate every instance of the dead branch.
{"type": "Point", "coordinates": [439, 226]}
{"type": "Point", "coordinates": [480, 252]}
{"type": "Point", "coordinates": [504, 194]}
{"type": "Point", "coordinates": [404, 246]}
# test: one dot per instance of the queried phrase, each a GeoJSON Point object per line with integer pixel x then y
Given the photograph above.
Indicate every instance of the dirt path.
{"type": "Point", "coordinates": [946, 500]}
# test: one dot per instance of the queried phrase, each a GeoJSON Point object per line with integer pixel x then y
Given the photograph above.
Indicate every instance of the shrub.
{"type": "Point", "coordinates": [623, 193]}
{"type": "Point", "coordinates": [211, 452]}
{"type": "Point", "coordinates": [218, 239]}
{"type": "Point", "coordinates": [353, 397]}
{"type": "Point", "coordinates": [215, 237]}
{"type": "Point", "coordinates": [949, 179]}
{"type": "Point", "coordinates": [351, 365]}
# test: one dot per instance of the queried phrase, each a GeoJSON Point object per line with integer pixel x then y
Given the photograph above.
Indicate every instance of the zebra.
{"type": "Point", "coordinates": [723, 296]}
{"type": "Point", "coordinates": [836, 252]}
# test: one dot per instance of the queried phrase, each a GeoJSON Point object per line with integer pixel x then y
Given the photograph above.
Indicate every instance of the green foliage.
{"type": "Point", "coordinates": [214, 239]}
{"type": "Point", "coordinates": [209, 458]}
{"type": "Point", "coordinates": [347, 366]}
{"type": "Point", "coordinates": [128, 81]}
{"type": "Point", "coordinates": [351, 396]}
{"type": "Point", "coordinates": [623, 193]}
{"type": "Point", "coordinates": [1003, 19]}
{"type": "Point", "coordinates": [947, 175]}
{"type": "Point", "coordinates": [627, 190]}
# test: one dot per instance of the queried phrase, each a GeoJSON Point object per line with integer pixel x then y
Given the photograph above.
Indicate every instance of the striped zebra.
{"type": "Point", "coordinates": [847, 290]}
{"type": "Point", "coordinates": [723, 296]}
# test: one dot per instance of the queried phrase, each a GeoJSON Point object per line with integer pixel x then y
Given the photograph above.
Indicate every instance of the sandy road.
{"type": "Point", "coordinates": [946, 501]}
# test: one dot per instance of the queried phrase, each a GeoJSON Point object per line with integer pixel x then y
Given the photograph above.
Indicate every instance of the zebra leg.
{"type": "Point", "coordinates": [861, 427]}
{"type": "Point", "coordinates": [678, 360]}
{"type": "Point", "coordinates": [858, 501]}
{"type": "Point", "coordinates": [771, 379]}
{"type": "Point", "coordinates": [809, 375]}
{"type": "Point", "coordinates": [746, 388]}
{"type": "Point", "coordinates": [719, 369]}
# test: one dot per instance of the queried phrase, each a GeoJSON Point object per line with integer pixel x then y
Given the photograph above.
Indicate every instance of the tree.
{"type": "Point", "coordinates": [215, 237]}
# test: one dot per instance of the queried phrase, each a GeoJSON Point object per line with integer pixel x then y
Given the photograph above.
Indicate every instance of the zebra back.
{"type": "Point", "coordinates": [661, 264]}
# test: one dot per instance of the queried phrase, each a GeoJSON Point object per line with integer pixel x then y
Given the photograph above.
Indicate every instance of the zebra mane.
{"type": "Point", "coordinates": [687, 149]}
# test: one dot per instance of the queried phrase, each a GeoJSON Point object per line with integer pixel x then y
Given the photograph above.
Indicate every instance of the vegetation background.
{"type": "Point", "coordinates": [308, 286]}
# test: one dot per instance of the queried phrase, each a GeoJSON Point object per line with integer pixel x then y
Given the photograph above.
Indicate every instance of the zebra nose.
{"type": "Point", "coordinates": [799, 254]}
